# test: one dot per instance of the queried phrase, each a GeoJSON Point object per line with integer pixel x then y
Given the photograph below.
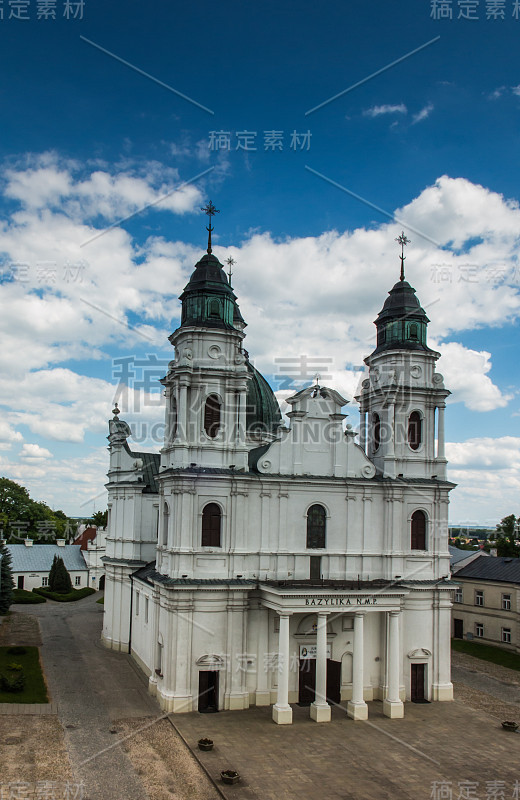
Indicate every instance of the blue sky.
{"type": "Point", "coordinates": [429, 145]}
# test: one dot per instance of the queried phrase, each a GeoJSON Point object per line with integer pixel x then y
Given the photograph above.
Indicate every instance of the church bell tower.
{"type": "Point", "coordinates": [207, 382]}
{"type": "Point", "coordinates": [402, 401]}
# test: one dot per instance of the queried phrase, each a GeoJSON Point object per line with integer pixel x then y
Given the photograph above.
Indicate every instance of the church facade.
{"type": "Point", "coordinates": [252, 562]}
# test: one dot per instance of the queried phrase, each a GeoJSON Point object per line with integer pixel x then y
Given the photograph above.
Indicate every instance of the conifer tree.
{"type": "Point", "coordinates": [6, 580]}
{"type": "Point", "coordinates": [61, 581]}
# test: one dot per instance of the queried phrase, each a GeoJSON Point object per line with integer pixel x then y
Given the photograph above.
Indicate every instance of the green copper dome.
{"type": "Point", "coordinates": [208, 299]}
{"type": "Point", "coordinates": [402, 322]}
{"type": "Point", "coordinates": [263, 411]}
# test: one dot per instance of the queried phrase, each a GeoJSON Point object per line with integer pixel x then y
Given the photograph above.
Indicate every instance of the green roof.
{"type": "Point", "coordinates": [263, 412]}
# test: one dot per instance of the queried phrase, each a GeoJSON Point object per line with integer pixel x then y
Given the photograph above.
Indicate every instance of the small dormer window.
{"type": "Point", "coordinates": [214, 309]}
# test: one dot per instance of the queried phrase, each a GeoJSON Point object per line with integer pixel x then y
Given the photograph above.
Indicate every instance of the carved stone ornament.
{"type": "Point", "coordinates": [118, 431]}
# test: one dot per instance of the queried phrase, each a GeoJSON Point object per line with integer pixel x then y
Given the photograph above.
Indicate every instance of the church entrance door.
{"type": "Point", "coordinates": [417, 693]}
{"type": "Point", "coordinates": [208, 691]}
{"type": "Point", "coordinates": [307, 681]}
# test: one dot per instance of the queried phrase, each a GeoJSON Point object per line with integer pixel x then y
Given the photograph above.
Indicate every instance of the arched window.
{"type": "Point", "coordinates": [316, 516]}
{"type": "Point", "coordinates": [211, 525]}
{"type": "Point", "coordinates": [212, 416]}
{"type": "Point", "coordinates": [418, 538]}
{"type": "Point", "coordinates": [376, 422]}
{"type": "Point", "coordinates": [414, 430]}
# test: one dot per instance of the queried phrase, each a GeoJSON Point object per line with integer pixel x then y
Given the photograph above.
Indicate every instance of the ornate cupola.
{"type": "Point", "coordinates": [208, 299]}
{"type": "Point", "coordinates": [218, 405]}
{"type": "Point", "coordinates": [403, 399]}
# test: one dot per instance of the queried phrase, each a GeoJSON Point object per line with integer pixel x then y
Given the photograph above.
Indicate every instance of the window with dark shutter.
{"type": "Point", "coordinates": [316, 517]}
{"type": "Point", "coordinates": [212, 416]}
{"type": "Point", "coordinates": [418, 530]}
{"type": "Point", "coordinates": [414, 430]}
{"type": "Point", "coordinates": [211, 524]}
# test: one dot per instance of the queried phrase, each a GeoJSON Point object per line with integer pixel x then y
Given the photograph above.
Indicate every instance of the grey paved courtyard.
{"type": "Point", "coordinates": [374, 760]}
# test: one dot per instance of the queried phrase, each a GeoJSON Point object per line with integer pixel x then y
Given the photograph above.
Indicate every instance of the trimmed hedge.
{"type": "Point", "coordinates": [70, 597]}
{"type": "Point", "coordinates": [23, 596]}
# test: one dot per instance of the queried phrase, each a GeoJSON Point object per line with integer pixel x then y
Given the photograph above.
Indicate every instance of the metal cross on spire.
{"type": "Point", "coordinates": [403, 241]}
{"type": "Point", "coordinates": [210, 210]}
{"type": "Point", "coordinates": [230, 262]}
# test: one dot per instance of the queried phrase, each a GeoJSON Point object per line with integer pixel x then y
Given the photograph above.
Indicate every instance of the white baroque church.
{"type": "Point", "coordinates": [256, 563]}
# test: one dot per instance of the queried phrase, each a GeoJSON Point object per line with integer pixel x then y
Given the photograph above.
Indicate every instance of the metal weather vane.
{"type": "Point", "coordinates": [210, 210]}
{"type": "Point", "coordinates": [230, 262]}
{"type": "Point", "coordinates": [403, 241]}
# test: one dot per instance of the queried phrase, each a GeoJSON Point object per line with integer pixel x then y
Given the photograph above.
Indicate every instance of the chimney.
{"type": "Point", "coordinates": [60, 542]}
{"type": "Point", "coordinates": [28, 542]}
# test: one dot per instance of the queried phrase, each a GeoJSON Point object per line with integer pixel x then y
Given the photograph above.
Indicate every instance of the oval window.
{"type": "Point", "coordinates": [415, 430]}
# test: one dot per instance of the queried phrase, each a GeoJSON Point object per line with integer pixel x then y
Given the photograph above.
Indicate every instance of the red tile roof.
{"type": "Point", "coordinates": [88, 535]}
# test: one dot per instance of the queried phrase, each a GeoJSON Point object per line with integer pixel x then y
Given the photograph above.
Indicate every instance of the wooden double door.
{"type": "Point", "coordinates": [307, 681]}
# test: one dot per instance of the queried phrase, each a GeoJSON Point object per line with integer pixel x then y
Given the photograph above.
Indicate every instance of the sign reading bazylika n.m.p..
{"type": "Point", "coordinates": [341, 601]}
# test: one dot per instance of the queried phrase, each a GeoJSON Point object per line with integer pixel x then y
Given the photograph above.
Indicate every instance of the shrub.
{"type": "Point", "coordinates": [74, 594]}
{"type": "Point", "coordinates": [26, 598]}
{"type": "Point", "coordinates": [14, 684]}
{"type": "Point", "coordinates": [15, 667]}
{"type": "Point", "coordinates": [17, 650]}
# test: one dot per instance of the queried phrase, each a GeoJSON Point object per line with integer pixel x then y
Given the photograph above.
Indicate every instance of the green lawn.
{"type": "Point", "coordinates": [101, 600]}
{"type": "Point", "coordinates": [487, 653]}
{"type": "Point", "coordinates": [35, 690]}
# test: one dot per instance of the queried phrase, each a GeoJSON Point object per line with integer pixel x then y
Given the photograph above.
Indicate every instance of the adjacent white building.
{"type": "Point", "coordinates": [254, 563]}
{"type": "Point", "coordinates": [31, 563]}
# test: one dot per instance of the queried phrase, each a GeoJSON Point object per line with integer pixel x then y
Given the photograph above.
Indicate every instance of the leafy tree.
{"type": "Point", "coordinates": [6, 581]}
{"type": "Point", "coordinates": [99, 519]}
{"type": "Point", "coordinates": [59, 578]}
{"type": "Point", "coordinates": [22, 517]}
{"type": "Point", "coordinates": [507, 532]}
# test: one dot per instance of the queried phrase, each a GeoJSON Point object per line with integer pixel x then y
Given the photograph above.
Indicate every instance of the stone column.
{"type": "Point", "coordinates": [363, 429]}
{"type": "Point", "coordinates": [182, 414]}
{"type": "Point", "coordinates": [320, 709]}
{"type": "Point", "coordinates": [282, 711]}
{"type": "Point", "coordinates": [440, 431]}
{"type": "Point", "coordinates": [357, 708]}
{"type": "Point", "coordinates": [392, 704]}
{"type": "Point", "coordinates": [263, 694]}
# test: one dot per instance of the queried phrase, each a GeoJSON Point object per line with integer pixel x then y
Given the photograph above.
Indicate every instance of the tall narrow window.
{"type": "Point", "coordinates": [376, 422]}
{"type": "Point", "coordinates": [166, 519]}
{"type": "Point", "coordinates": [211, 525]}
{"type": "Point", "coordinates": [418, 530]}
{"type": "Point", "coordinates": [414, 430]}
{"type": "Point", "coordinates": [414, 331]}
{"type": "Point", "coordinates": [316, 516]}
{"type": "Point", "coordinates": [212, 416]}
